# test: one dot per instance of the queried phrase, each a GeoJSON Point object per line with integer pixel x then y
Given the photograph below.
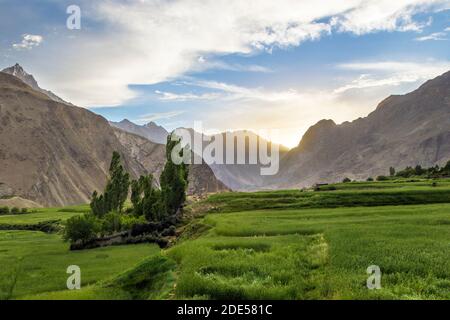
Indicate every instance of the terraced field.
{"type": "Point", "coordinates": [268, 245]}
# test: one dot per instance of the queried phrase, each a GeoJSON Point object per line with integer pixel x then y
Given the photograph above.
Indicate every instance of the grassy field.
{"type": "Point", "coordinates": [319, 254]}
{"type": "Point", "coordinates": [42, 215]}
{"type": "Point", "coordinates": [39, 262]}
{"type": "Point", "coordinates": [266, 245]}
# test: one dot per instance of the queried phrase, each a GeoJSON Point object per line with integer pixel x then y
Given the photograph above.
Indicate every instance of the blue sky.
{"type": "Point", "coordinates": [272, 67]}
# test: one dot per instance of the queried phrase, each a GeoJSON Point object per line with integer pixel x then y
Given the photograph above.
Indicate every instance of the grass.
{"type": "Point", "coordinates": [152, 278]}
{"type": "Point", "coordinates": [287, 244]}
{"type": "Point", "coordinates": [346, 195]}
{"type": "Point", "coordinates": [319, 254]}
{"type": "Point", "coordinates": [42, 215]}
{"type": "Point", "coordinates": [39, 261]}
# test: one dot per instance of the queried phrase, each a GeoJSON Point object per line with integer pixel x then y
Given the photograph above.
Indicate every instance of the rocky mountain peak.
{"type": "Point", "coordinates": [18, 71]}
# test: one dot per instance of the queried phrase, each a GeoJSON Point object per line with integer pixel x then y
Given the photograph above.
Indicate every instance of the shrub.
{"type": "Point", "coordinates": [24, 211]}
{"type": "Point", "coordinates": [15, 210]}
{"type": "Point", "coordinates": [111, 223]}
{"type": "Point", "coordinates": [128, 221]}
{"type": "Point", "coordinates": [370, 179]}
{"type": "Point", "coordinates": [382, 178]}
{"type": "Point", "coordinates": [4, 210]}
{"type": "Point", "coordinates": [81, 228]}
{"type": "Point", "coordinates": [346, 180]}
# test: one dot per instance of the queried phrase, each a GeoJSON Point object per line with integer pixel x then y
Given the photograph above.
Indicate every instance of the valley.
{"type": "Point", "coordinates": [265, 245]}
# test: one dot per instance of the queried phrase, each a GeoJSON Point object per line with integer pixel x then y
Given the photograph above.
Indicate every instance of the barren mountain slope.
{"type": "Point", "coordinates": [403, 131]}
{"type": "Point", "coordinates": [50, 152]}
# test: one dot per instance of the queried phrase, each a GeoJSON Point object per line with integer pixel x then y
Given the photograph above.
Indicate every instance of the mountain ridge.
{"type": "Point", "coordinates": [18, 72]}
{"type": "Point", "coordinates": [403, 130]}
{"type": "Point", "coordinates": [150, 131]}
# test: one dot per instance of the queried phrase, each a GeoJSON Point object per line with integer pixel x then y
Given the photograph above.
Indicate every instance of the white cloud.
{"type": "Point", "coordinates": [28, 42]}
{"type": "Point", "coordinates": [391, 73]}
{"type": "Point", "coordinates": [146, 42]}
{"type": "Point", "coordinates": [437, 36]}
{"type": "Point", "coordinates": [204, 64]}
{"type": "Point", "coordinates": [158, 116]}
{"type": "Point", "coordinates": [170, 96]}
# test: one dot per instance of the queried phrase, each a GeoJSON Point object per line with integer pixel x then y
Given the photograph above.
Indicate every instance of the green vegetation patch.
{"type": "Point", "coordinates": [319, 254]}
{"type": "Point", "coordinates": [39, 261]}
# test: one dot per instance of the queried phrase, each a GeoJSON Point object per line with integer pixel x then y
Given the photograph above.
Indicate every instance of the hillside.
{"type": "Point", "coordinates": [239, 177]}
{"type": "Point", "coordinates": [153, 157]}
{"type": "Point", "coordinates": [403, 131]}
{"type": "Point", "coordinates": [57, 154]}
{"type": "Point", "coordinates": [53, 153]}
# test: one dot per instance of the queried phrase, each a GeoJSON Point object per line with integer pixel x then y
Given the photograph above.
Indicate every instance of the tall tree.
{"type": "Point", "coordinates": [116, 190]}
{"type": "Point", "coordinates": [146, 199]}
{"type": "Point", "coordinates": [174, 178]}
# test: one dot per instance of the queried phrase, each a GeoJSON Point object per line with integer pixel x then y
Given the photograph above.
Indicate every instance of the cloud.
{"type": "Point", "coordinates": [437, 36]}
{"type": "Point", "coordinates": [147, 42]}
{"type": "Point", "coordinates": [28, 42]}
{"type": "Point", "coordinates": [205, 64]}
{"type": "Point", "coordinates": [170, 96]}
{"type": "Point", "coordinates": [158, 116]}
{"type": "Point", "coordinates": [391, 73]}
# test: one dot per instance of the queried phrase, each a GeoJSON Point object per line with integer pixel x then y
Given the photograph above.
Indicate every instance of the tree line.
{"type": "Point", "coordinates": [149, 203]}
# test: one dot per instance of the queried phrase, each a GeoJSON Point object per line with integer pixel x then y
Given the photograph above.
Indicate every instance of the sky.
{"type": "Point", "coordinates": [274, 67]}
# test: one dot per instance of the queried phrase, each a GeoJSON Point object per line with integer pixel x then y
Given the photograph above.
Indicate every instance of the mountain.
{"type": "Point", "coordinates": [404, 130]}
{"type": "Point", "coordinates": [153, 157]}
{"type": "Point", "coordinates": [50, 152]}
{"type": "Point", "coordinates": [150, 131]}
{"type": "Point", "coordinates": [239, 177]}
{"type": "Point", "coordinates": [20, 73]}
{"type": "Point", "coordinates": [56, 154]}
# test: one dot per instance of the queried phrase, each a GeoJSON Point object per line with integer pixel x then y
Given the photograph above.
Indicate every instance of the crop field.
{"type": "Point", "coordinates": [319, 254]}
{"type": "Point", "coordinates": [268, 245]}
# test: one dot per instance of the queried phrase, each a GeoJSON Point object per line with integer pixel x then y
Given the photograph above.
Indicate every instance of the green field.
{"type": "Point", "coordinates": [265, 245]}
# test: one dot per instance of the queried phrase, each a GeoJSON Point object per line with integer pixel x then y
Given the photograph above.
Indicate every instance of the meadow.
{"type": "Point", "coordinates": [267, 245]}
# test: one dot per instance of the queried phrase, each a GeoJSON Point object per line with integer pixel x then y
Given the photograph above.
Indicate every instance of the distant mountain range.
{"type": "Point", "coordinates": [150, 131]}
{"type": "Point", "coordinates": [54, 153]}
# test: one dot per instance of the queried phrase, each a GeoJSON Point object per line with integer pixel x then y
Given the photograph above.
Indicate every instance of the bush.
{"type": "Point", "coordinates": [81, 228]}
{"type": "Point", "coordinates": [15, 210]}
{"type": "Point", "coordinates": [4, 210]}
{"type": "Point", "coordinates": [370, 179]}
{"type": "Point", "coordinates": [382, 178]}
{"type": "Point", "coordinates": [111, 223]}
{"type": "Point", "coordinates": [346, 180]}
{"type": "Point", "coordinates": [24, 211]}
{"type": "Point", "coordinates": [128, 221]}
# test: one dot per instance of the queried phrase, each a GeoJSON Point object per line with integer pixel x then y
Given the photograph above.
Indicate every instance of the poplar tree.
{"type": "Point", "coordinates": [116, 190]}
